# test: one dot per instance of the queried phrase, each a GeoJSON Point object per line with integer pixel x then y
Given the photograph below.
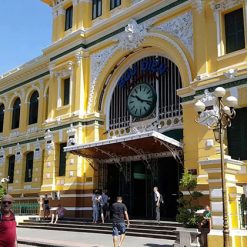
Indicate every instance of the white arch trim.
{"type": "Point", "coordinates": [12, 99]}
{"type": "Point", "coordinates": [30, 91]}
{"type": "Point", "coordinates": [122, 69]}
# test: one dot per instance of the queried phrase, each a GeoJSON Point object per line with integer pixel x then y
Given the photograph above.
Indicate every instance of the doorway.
{"type": "Point", "coordinates": [135, 180]}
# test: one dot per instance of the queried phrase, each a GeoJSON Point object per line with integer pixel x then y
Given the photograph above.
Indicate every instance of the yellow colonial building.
{"type": "Point", "coordinates": [116, 90]}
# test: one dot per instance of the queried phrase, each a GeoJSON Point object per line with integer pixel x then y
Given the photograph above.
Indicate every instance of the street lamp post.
{"type": "Point", "coordinates": [217, 116]}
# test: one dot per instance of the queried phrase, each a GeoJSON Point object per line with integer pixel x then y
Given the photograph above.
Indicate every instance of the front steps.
{"type": "Point", "coordinates": [138, 228]}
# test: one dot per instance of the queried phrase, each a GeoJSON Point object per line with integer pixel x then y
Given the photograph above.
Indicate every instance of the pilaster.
{"type": "Point", "coordinates": [84, 14]}
{"type": "Point", "coordinates": [212, 166]}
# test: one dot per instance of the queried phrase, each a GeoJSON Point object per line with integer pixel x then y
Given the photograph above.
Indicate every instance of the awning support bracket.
{"type": "Point", "coordinates": [175, 153]}
{"type": "Point", "coordinates": [111, 155]}
{"type": "Point", "coordinates": [138, 151]}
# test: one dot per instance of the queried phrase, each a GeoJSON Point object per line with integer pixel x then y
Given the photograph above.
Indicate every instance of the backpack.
{"type": "Point", "coordinates": [161, 199]}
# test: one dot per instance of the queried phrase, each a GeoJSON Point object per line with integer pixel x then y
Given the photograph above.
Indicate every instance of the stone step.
{"type": "Point", "coordinates": [136, 234]}
{"type": "Point", "coordinates": [107, 224]}
{"type": "Point", "coordinates": [107, 227]}
{"type": "Point", "coordinates": [130, 232]}
{"type": "Point", "coordinates": [138, 228]}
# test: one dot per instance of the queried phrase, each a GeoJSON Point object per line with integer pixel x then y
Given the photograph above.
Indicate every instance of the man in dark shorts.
{"type": "Point", "coordinates": [7, 223]}
{"type": "Point", "coordinates": [119, 211]}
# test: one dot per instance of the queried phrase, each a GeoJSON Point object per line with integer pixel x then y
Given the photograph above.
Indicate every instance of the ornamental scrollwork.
{"type": "Point", "coordinates": [182, 28]}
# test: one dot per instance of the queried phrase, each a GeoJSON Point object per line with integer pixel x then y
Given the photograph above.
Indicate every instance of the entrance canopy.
{"type": "Point", "coordinates": [136, 146]}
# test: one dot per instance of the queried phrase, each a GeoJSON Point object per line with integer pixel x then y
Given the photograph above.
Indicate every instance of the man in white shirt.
{"type": "Point", "coordinates": [157, 203]}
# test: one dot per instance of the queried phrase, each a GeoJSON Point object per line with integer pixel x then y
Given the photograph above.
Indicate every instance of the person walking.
{"type": "Point", "coordinates": [105, 214]}
{"type": "Point", "coordinates": [96, 206]}
{"type": "Point", "coordinates": [7, 223]}
{"type": "Point", "coordinates": [157, 204]}
{"type": "Point", "coordinates": [119, 212]}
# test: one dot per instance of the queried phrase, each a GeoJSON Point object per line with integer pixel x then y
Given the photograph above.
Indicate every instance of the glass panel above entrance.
{"type": "Point", "coordinates": [139, 146]}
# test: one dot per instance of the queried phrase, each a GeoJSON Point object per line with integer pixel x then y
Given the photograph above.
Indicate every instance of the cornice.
{"type": "Point", "coordinates": [29, 68]}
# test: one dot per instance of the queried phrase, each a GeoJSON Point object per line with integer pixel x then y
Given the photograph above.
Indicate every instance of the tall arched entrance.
{"type": "Point", "coordinates": [144, 100]}
{"type": "Point", "coordinates": [141, 147]}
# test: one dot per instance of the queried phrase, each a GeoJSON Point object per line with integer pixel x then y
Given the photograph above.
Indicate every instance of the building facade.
{"type": "Point", "coordinates": [116, 90]}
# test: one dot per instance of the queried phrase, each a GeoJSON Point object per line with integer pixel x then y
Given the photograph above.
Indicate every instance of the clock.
{"type": "Point", "coordinates": [141, 100]}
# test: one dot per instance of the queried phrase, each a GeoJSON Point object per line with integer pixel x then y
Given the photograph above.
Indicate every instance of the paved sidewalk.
{"type": "Point", "coordinates": [80, 239]}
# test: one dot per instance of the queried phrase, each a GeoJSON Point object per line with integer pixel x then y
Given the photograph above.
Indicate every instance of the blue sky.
{"type": "Point", "coordinates": [25, 29]}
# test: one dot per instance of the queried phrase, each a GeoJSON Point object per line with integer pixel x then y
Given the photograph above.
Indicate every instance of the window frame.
{"type": "Point", "coordinates": [68, 23]}
{"type": "Point", "coordinates": [11, 172]}
{"type": "Point", "coordinates": [29, 166]}
{"type": "Point", "coordinates": [66, 91]}
{"type": "Point", "coordinates": [114, 4]}
{"type": "Point", "coordinates": [2, 111]}
{"type": "Point", "coordinates": [16, 114]}
{"type": "Point", "coordinates": [236, 32]}
{"type": "Point", "coordinates": [96, 9]}
{"type": "Point", "coordinates": [33, 108]}
{"type": "Point", "coordinates": [62, 160]}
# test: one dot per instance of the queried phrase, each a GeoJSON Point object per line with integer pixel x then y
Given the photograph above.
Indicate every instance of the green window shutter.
{"type": "Point", "coordinates": [234, 31]}
{"type": "Point", "coordinates": [237, 135]}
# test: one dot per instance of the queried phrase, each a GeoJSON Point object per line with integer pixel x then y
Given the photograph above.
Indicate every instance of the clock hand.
{"type": "Point", "coordinates": [137, 97]}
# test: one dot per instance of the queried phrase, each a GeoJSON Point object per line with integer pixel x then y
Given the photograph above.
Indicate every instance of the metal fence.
{"type": "Point", "coordinates": [26, 208]}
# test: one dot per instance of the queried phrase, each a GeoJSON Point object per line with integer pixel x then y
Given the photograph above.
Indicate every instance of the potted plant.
{"type": "Point", "coordinates": [187, 212]}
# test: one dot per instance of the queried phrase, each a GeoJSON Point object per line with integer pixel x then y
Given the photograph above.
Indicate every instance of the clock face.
{"type": "Point", "coordinates": [141, 100]}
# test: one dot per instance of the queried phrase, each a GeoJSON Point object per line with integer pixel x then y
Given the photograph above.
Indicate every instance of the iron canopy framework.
{"type": "Point", "coordinates": [139, 146]}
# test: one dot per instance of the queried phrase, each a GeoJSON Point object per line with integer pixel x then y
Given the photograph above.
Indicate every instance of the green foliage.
{"type": "Point", "coordinates": [2, 192]}
{"type": "Point", "coordinates": [188, 205]}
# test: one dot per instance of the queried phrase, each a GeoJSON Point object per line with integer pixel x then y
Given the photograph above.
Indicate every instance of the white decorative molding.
{"type": "Point", "coordinates": [79, 56]}
{"type": "Point", "coordinates": [65, 71]}
{"type": "Point", "coordinates": [137, 1]}
{"type": "Point", "coordinates": [49, 146]}
{"type": "Point", "coordinates": [182, 28]}
{"type": "Point", "coordinates": [72, 136]}
{"type": "Point", "coordinates": [18, 153]}
{"type": "Point", "coordinates": [133, 35]}
{"type": "Point", "coordinates": [209, 117]}
{"type": "Point", "coordinates": [98, 61]}
{"type": "Point", "coordinates": [37, 150]}
{"type": "Point", "coordinates": [231, 73]}
{"type": "Point", "coordinates": [198, 5]}
{"type": "Point", "coordinates": [2, 156]}
{"type": "Point", "coordinates": [179, 49]}
{"type": "Point", "coordinates": [225, 4]}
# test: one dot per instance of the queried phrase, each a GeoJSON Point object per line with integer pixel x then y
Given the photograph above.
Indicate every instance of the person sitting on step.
{"type": "Point", "coordinates": [58, 214]}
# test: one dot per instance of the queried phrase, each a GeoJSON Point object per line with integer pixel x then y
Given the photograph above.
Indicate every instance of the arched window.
{"type": "Point", "coordinates": [16, 114]}
{"type": "Point", "coordinates": [1, 117]}
{"type": "Point", "coordinates": [11, 169]}
{"type": "Point", "coordinates": [34, 107]}
{"type": "Point", "coordinates": [29, 167]}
